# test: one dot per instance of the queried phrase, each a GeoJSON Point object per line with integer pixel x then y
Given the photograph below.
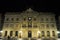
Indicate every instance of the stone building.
{"type": "Point", "coordinates": [30, 24]}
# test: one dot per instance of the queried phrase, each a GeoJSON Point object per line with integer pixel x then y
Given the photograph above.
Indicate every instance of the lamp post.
{"type": "Point", "coordinates": [1, 33]}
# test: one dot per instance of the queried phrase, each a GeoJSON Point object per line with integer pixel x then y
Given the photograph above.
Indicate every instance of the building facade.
{"type": "Point", "coordinates": [30, 24]}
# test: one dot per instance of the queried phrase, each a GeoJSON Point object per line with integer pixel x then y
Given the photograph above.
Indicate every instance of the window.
{"type": "Point", "coordinates": [34, 19]}
{"type": "Point", "coordinates": [52, 25]}
{"type": "Point", "coordinates": [42, 25]}
{"type": "Point", "coordinates": [12, 19]}
{"type": "Point", "coordinates": [29, 18]}
{"type": "Point", "coordinates": [16, 25]}
{"type": "Point", "coordinates": [16, 33]}
{"type": "Point", "coordinates": [24, 19]}
{"type": "Point", "coordinates": [42, 33]}
{"type": "Point", "coordinates": [11, 33]}
{"type": "Point", "coordinates": [17, 19]}
{"type": "Point", "coordinates": [48, 33]}
{"type": "Point", "coordinates": [46, 19]}
{"type": "Point", "coordinates": [11, 25]}
{"type": "Point", "coordinates": [47, 25]}
{"type": "Point", "coordinates": [6, 25]}
{"type": "Point", "coordinates": [52, 19]}
{"type": "Point", "coordinates": [53, 33]}
{"type": "Point", "coordinates": [7, 19]}
{"type": "Point", "coordinates": [35, 26]}
{"type": "Point", "coordinates": [42, 19]}
{"type": "Point", "coordinates": [29, 24]}
{"type": "Point", "coordinates": [24, 25]}
{"type": "Point", "coordinates": [5, 33]}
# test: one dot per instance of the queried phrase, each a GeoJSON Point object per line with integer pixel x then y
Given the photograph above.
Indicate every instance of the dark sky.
{"type": "Point", "coordinates": [38, 5]}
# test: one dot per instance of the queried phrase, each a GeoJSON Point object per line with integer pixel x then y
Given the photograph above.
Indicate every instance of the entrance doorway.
{"type": "Point", "coordinates": [29, 34]}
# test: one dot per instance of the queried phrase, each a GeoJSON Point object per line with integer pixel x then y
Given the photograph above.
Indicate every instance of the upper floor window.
{"type": "Point", "coordinates": [34, 19]}
{"type": "Point", "coordinates": [35, 26]}
{"type": "Point", "coordinates": [7, 19]}
{"type": "Point", "coordinates": [11, 25]}
{"type": "Point", "coordinates": [47, 25]}
{"type": "Point", "coordinates": [30, 26]}
{"type": "Point", "coordinates": [41, 19]}
{"type": "Point", "coordinates": [6, 25]}
{"type": "Point", "coordinates": [24, 19]}
{"type": "Point", "coordinates": [52, 25]}
{"type": "Point", "coordinates": [16, 25]}
{"type": "Point", "coordinates": [17, 19]}
{"type": "Point", "coordinates": [42, 25]}
{"type": "Point", "coordinates": [12, 19]}
{"type": "Point", "coordinates": [46, 19]}
{"type": "Point", "coordinates": [52, 19]}
{"type": "Point", "coordinates": [24, 25]}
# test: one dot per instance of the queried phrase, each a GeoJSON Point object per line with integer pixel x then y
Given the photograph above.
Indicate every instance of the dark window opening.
{"type": "Point", "coordinates": [43, 34]}
{"type": "Point", "coordinates": [48, 33]}
{"type": "Point", "coordinates": [52, 25]}
{"type": "Point", "coordinates": [29, 26]}
{"type": "Point", "coordinates": [17, 19]}
{"type": "Point", "coordinates": [29, 34]}
{"type": "Point", "coordinates": [11, 33]}
{"type": "Point", "coordinates": [35, 26]}
{"type": "Point", "coordinates": [7, 19]}
{"type": "Point", "coordinates": [12, 19]}
{"type": "Point", "coordinates": [34, 19]}
{"type": "Point", "coordinates": [5, 33]}
{"type": "Point", "coordinates": [53, 33]}
{"type": "Point", "coordinates": [16, 33]}
{"type": "Point", "coordinates": [47, 26]}
{"type": "Point", "coordinates": [24, 19]}
{"type": "Point", "coordinates": [24, 25]}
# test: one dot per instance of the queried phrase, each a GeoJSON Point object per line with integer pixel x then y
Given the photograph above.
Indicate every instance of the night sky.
{"type": "Point", "coordinates": [37, 5]}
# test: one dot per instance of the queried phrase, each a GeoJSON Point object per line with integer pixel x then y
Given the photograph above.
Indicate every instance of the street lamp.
{"type": "Point", "coordinates": [20, 31]}
{"type": "Point", "coordinates": [1, 31]}
{"type": "Point", "coordinates": [38, 32]}
{"type": "Point", "coordinates": [58, 31]}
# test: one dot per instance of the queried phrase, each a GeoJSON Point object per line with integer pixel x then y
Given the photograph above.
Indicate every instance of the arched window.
{"type": "Point", "coordinates": [11, 33]}
{"type": "Point", "coordinates": [43, 33]}
{"type": "Point", "coordinates": [16, 33]}
{"type": "Point", "coordinates": [53, 33]}
{"type": "Point", "coordinates": [5, 33]}
{"type": "Point", "coordinates": [48, 33]}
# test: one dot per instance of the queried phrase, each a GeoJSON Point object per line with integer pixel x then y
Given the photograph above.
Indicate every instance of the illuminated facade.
{"type": "Point", "coordinates": [30, 24]}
